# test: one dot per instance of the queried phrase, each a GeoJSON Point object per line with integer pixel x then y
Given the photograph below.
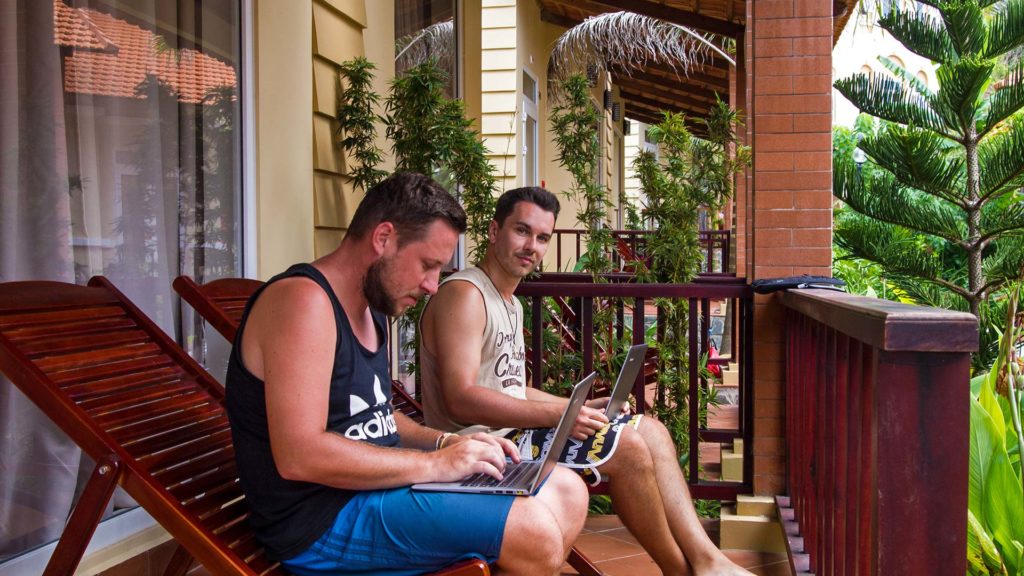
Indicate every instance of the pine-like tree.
{"type": "Point", "coordinates": [944, 205]}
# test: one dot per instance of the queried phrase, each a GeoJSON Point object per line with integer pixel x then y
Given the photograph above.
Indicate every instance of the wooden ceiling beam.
{"type": "Point", "coordinates": [650, 116]}
{"type": "Point", "coordinates": [557, 19]}
{"type": "Point", "coordinates": [713, 80]}
{"type": "Point", "coordinates": [680, 90]}
{"type": "Point", "coordinates": [691, 19]}
{"type": "Point", "coordinates": [669, 98]}
{"type": "Point", "coordinates": [658, 105]}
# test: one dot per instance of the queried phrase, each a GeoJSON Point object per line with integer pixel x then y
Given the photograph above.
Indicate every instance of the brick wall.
{"type": "Point", "coordinates": [788, 195]}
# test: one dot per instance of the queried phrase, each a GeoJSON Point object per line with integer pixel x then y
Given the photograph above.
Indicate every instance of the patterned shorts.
{"type": "Point", "coordinates": [582, 456]}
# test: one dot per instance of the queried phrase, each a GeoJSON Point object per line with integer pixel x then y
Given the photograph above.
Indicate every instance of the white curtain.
{"type": "Point", "coordinates": [35, 227]}
{"type": "Point", "coordinates": [108, 169]}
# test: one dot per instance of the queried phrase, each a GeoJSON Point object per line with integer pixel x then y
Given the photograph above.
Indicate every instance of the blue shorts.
{"type": "Point", "coordinates": [402, 531]}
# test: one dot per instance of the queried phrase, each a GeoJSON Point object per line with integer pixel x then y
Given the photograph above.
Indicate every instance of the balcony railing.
{"type": "Point", "coordinates": [876, 435]}
{"type": "Point", "coordinates": [568, 293]}
{"type": "Point", "coordinates": [630, 246]}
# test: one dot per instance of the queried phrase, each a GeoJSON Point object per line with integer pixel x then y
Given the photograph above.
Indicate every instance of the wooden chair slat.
{"type": "Point", "coordinates": [87, 394]}
{"type": "Point", "coordinates": [97, 357]}
{"type": "Point", "coordinates": [185, 436]}
{"type": "Point", "coordinates": [115, 411]}
{"type": "Point", "coordinates": [212, 481]}
{"type": "Point", "coordinates": [80, 343]}
{"type": "Point", "coordinates": [113, 369]}
{"type": "Point", "coordinates": [178, 454]}
{"type": "Point", "coordinates": [169, 422]}
{"type": "Point", "coordinates": [194, 467]}
{"type": "Point", "coordinates": [204, 507]}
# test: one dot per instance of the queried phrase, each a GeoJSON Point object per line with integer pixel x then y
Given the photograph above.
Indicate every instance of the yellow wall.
{"type": "Point", "coordinates": [305, 200]}
{"type": "Point", "coordinates": [284, 135]}
{"type": "Point", "coordinates": [499, 83]}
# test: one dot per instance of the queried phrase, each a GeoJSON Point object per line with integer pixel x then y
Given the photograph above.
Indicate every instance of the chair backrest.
{"type": "Point", "coordinates": [125, 392]}
{"type": "Point", "coordinates": [222, 302]}
{"type": "Point", "coordinates": [117, 385]}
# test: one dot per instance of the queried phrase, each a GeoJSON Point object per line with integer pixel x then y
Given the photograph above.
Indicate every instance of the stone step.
{"type": "Point", "coordinates": [758, 532]}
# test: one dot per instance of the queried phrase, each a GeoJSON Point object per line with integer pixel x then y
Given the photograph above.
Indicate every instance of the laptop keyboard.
{"type": "Point", "coordinates": [513, 472]}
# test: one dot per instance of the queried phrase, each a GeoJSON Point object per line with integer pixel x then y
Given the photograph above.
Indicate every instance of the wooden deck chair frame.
{"type": "Point", "coordinates": [222, 302]}
{"type": "Point", "coordinates": [149, 416]}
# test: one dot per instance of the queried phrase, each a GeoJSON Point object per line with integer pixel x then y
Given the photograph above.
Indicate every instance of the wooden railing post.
{"type": "Point", "coordinates": [877, 433]}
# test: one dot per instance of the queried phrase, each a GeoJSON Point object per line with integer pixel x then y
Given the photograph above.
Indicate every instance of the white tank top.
{"type": "Point", "coordinates": [502, 355]}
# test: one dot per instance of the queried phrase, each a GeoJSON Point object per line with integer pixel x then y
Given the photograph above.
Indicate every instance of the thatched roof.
{"type": "Point", "coordinates": [657, 86]}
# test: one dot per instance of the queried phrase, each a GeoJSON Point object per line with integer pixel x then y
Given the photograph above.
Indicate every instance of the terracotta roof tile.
{"type": "Point", "coordinates": [113, 58]}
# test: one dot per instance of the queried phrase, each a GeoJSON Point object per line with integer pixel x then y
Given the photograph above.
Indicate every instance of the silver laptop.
{"type": "Point", "coordinates": [627, 376]}
{"type": "Point", "coordinates": [524, 478]}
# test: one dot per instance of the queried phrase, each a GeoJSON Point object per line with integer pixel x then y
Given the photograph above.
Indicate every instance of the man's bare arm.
{"type": "Point", "coordinates": [452, 331]}
{"type": "Point", "coordinates": [288, 344]}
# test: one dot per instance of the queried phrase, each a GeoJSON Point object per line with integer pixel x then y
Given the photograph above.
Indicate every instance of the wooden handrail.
{"type": "Point", "coordinates": [617, 289]}
{"type": "Point", "coordinates": [876, 434]}
{"type": "Point", "coordinates": [630, 246]}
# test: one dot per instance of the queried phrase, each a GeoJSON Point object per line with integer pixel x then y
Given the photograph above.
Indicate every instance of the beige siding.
{"type": "Point", "coordinates": [342, 30]}
{"type": "Point", "coordinates": [284, 135]}
{"type": "Point", "coordinates": [499, 85]}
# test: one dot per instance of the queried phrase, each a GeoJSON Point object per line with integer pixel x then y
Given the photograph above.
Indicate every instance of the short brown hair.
{"type": "Point", "coordinates": [410, 201]}
{"type": "Point", "coordinates": [532, 194]}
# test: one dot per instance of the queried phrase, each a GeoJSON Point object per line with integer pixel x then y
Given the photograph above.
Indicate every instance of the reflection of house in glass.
{"type": "Point", "coordinates": [151, 154]}
{"type": "Point", "coordinates": [109, 56]}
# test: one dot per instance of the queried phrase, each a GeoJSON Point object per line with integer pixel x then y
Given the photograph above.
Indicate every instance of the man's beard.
{"type": "Point", "coordinates": [376, 292]}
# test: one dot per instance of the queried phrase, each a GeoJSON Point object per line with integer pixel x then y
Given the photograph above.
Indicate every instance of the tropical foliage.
{"type": "Point", "coordinates": [574, 124]}
{"type": "Point", "coordinates": [940, 203]}
{"type": "Point", "coordinates": [691, 173]}
{"type": "Point", "coordinates": [357, 121]}
{"type": "Point", "coordinates": [430, 134]}
{"type": "Point", "coordinates": [995, 518]}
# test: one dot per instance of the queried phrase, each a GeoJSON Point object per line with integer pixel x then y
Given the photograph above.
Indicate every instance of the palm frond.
{"type": "Point", "coordinates": [919, 159]}
{"type": "Point", "coordinates": [436, 42]}
{"type": "Point", "coordinates": [1002, 155]}
{"type": "Point", "coordinates": [965, 24]}
{"type": "Point", "coordinates": [961, 85]}
{"type": "Point", "coordinates": [920, 32]}
{"type": "Point", "coordinates": [1006, 29]}
{"type": "Point", "coordinates": [627, 42]}
{"type": "Point", "coordinates": [1007, 100]}
{"type": "Point", "coordinates": [887, 98]}
{"type": "Point", "coordinates": [879, 196]}
{"type": "Point", "coordinates": [901, 73]}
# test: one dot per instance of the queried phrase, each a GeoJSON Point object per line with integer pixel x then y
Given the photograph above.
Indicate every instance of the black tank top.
{"type": "Point", "coordinates": [288, 516]}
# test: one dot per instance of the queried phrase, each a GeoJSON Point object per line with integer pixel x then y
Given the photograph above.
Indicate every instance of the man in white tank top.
{"type": "Point", "coordinates": [473, 375]}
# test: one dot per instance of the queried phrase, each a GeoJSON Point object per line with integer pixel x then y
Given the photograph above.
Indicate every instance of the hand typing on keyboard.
{"type": "Point", "coordinates": [478, 453]}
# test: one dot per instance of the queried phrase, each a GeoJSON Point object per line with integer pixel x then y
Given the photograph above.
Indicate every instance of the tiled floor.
{"type": "Point", "coordinates": [614, 550]}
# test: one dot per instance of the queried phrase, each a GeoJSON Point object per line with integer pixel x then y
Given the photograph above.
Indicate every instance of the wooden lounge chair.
{"type": "Point", "coordinates": [222, 302]}
{"type": "Point", "coordinates": [148, 414]}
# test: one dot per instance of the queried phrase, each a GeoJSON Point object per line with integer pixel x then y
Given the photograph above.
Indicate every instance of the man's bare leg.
{"type": "Point", "coordinates": [541, 529]}
{"type": "Point", "coordinates": [637, 500]}
{"type": "Point", "coordinates": [701, 553]}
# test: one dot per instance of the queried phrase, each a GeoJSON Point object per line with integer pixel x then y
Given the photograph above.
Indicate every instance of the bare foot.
{"type": "Point", "coordinates": [721, 565]}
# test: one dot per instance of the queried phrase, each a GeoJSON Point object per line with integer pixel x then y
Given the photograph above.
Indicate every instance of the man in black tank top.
{"type": "Point", "coordinates": [325, 462]}
{"type": "Point", "coordinates": [636, 455]}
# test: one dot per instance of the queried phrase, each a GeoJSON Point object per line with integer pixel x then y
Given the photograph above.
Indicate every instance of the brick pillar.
{"type": "Point", "coordinates": [790, 66]}
{"type": "Point", "coordinates": [740, 202]}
